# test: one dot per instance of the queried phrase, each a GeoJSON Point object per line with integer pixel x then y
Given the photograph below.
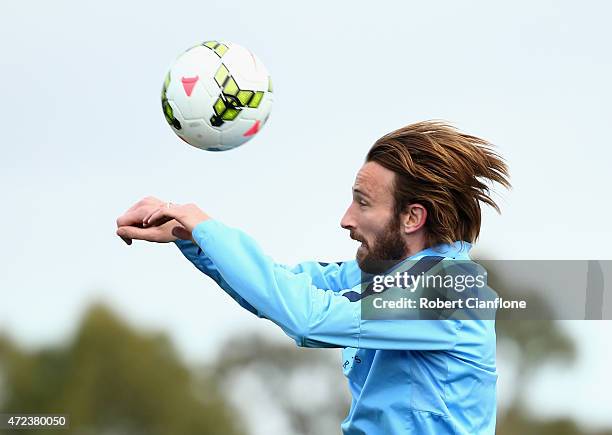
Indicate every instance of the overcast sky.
{"type": "Point", "coordinates": [83, 137]}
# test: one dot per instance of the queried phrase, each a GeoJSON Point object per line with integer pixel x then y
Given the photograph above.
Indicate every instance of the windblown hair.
{"type": "Point", "coordinates": [445, 171]}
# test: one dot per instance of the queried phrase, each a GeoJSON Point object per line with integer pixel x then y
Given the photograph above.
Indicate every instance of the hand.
{"type": "Point", "coordinates": [188, 216]}
{"type": "Point", "coordinates": [129, 225]}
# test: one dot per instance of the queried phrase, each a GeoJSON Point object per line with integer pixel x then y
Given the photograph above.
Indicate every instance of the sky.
{"type": "Point", "coordinates": [84, 137]}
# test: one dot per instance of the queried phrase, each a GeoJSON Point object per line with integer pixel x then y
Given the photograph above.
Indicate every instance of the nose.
{"type": "Point", "coordinates": [348, 222]}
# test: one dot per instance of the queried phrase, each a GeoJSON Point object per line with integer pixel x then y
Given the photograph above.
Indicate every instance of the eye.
{"type": "Point", "coordinates": [363, 203]}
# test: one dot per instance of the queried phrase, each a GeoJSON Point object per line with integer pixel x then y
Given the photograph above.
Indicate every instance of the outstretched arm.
{"type": "Point", "coordinates": [310, 315]}
{"type": "Point", "coordinates": [334, 276]}
{"type": "Point", "coordinates": [327, 276]}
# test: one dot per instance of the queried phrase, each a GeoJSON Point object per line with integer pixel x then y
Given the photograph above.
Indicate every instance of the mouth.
{"type": "Point", "coordinates": [359, 239]}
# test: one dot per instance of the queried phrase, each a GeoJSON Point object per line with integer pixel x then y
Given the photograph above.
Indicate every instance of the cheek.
{"type": "Point", "coordinates": [373, 226]}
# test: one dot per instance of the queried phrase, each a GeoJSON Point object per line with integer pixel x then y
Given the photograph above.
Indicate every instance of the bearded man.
{"type": "Point", "coordinates": [417, 197]}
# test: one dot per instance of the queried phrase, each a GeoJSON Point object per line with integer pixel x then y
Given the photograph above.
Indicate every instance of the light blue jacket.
{"type": "Point", "coordinates": [405, 376]}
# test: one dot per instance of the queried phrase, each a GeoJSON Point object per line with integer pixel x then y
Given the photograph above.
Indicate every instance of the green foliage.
{"type": "Point", "coordinates": [516, 421]}
{"type": "Point", "coordinates": [306, 385]}
{"type": "Point", "coordinates": [113, 380]}
{"type": "Point", "coordinates": [539, 342]}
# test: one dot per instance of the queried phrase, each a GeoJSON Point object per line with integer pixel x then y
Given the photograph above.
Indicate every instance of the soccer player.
{"type": "Point", "coordinates": [417, 196]}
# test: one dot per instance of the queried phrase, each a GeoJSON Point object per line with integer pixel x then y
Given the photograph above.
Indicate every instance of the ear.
{"type": "Point", "coordinates": [413, 218]}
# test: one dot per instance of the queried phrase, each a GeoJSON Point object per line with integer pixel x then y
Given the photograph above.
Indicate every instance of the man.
{"type": "Point", "coordinates": [416, 197]}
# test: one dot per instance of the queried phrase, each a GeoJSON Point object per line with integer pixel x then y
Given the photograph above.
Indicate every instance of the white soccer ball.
{"type": "Point", "coordinates": [217, 96]}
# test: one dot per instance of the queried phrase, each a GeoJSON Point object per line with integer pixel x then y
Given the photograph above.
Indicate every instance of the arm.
{"type": "Point", "coordinates": [312, 316]}
{"type": "Point", "coordinates": [193, 253]}
{"type": "Point", "coordinates": [333, 276]}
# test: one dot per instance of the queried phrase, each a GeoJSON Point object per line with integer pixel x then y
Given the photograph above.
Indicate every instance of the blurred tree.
{"type": "Point", "coordinates": [305, 385]}
{"type": "Point", "coordinates": [538, 342]}
{"type": "Point", "coordinates": [112, 380]}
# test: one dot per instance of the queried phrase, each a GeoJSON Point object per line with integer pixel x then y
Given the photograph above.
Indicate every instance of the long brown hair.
{"type": "Point", "coordinates": [445, 171]}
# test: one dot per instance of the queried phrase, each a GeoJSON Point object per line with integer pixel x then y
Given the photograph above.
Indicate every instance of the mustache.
{"type": "Point", "coordinates": [358, 237]}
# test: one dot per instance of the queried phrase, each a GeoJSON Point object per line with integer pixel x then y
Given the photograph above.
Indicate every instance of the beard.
{"type": "Point", "coordinates": [387, 249]}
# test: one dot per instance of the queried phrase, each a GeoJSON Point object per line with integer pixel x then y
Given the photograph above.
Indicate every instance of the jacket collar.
{"type": "Point", "coordinates": [459, 250]}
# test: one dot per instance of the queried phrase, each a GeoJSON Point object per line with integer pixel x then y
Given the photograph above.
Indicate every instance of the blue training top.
{"type": "Point", "coordinates": [405, 376]}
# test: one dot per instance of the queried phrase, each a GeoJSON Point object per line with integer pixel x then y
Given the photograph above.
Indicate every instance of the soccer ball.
{"type": "Point", "coordinates": [217, 96]}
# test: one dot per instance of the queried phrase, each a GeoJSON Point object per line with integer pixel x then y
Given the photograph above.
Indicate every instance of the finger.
{"type": "Point", "coordinates": [146, 217]}
{"type": "Point", "coordinates": [135, 214]}
{"type": "Point", "coordinates": [158, 220]}
{"type": "Point", "coordinates": [134, 217]}
{"type": "Point", "coordinates": [135, 233]}
{"type": "Point", "coordinates": [130, 218]}
{"type": "Point", "coordinates": [161, 216]}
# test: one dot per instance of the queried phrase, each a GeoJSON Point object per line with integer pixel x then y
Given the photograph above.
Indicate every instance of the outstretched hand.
{"type": "Point", "coordinates": [188, 216]}
{"type": "Point", "coordinates": [130, 224]}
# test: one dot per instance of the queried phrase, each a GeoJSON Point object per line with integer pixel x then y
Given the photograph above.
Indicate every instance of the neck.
{"type": "Point", "coordinates": [415, 244]}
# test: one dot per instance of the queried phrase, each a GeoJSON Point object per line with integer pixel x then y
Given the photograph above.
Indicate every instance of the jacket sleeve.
{"type": "Point", "coordinates": [193, 253]}
{"type": "Point", "coordinates": [311, 315]}
{"type": "Point", "coordinates": [327, 276]}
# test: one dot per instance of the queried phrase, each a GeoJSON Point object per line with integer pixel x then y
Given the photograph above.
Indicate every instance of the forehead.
{"type": "Point", "coordinates": [375, 180]}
